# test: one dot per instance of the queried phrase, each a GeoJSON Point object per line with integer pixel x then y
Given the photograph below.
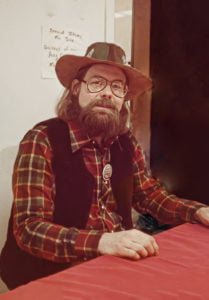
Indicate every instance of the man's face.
{"type": "Point", "coordinates": [99, 112]}
{"type": "Point", "coordinates": [109, 73]}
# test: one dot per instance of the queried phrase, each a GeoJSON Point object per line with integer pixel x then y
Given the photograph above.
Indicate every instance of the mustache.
{"type": "Point", "coordinates": [103, 102]}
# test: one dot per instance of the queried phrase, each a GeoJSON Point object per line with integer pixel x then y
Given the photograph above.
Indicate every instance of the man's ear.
{"type": "Point", "coordinates": [75, 87]}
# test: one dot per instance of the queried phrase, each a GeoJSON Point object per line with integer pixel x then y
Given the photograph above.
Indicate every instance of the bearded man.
{"type": "Point", "coordinates": [77, 176]}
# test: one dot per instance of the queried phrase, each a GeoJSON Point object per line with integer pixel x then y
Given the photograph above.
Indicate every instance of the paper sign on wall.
{"type": "Point", "coordinates": [58, 41]}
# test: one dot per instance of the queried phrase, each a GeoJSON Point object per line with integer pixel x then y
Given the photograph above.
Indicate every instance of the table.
{"type": "Point", "coordinates": [181, 271]}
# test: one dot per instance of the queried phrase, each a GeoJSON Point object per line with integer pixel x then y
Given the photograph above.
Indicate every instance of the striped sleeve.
{"type": "Point", "coordinates": [150, 197]}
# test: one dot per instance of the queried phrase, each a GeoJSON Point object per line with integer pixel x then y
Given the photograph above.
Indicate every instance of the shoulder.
{"type": "Point", "coordinates": [136, 149]}
{"type": "Point", "coordinates": [34, 147]}
{"type": "Point", "coordinates": [130, 138]}
{"type": "Point", "coordinates": [44, 128]}
{"type": "Point", "coordinates": [53, 122]}
{"type": "Point", "coordinates": [37, 133]}
{"type": "Point", "coordinates": [38, 136]}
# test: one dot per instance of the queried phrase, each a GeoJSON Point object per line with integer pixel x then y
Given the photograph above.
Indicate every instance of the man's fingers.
{"type": "Point", "coordinates": [142, 251]}
{"type": "Point", "coordinates": [130, 253]}
{"type": "Point", "coordinates": [156, 247]}
{"type": "Point", "coordinates": [131, 243]}
{"type": "Point", "coordinates": [152, 248]}
{"type": "Point", "coordinates": [148, 242]}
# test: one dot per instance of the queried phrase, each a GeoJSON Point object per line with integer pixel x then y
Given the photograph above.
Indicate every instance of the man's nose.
{"type": "Point", "coordinates": [107, 92]}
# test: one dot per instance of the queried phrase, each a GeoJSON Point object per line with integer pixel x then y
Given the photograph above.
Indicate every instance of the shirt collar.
{"type": "Point", "coordinates": [79, 139]}
{"type": "Point", "coordinates": [77, 136]}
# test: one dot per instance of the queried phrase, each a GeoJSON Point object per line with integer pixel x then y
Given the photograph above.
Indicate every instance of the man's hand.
{"type": "Point", "coordinates": [202, 215]}
{"type": "Point", "coordinates": [132, 244]}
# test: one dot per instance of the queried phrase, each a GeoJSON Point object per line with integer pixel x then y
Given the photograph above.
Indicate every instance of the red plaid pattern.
{"type": "Point", "coordinates": [34, 190]}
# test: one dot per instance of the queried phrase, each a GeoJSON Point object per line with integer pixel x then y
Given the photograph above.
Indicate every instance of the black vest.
{"type": "Point", "coordinates": [74, 188]}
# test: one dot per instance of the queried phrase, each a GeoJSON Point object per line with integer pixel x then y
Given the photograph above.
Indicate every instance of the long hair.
{"type": "Point", "coordinates": [68, 108]}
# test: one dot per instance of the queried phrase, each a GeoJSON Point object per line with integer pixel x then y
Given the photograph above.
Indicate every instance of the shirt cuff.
{"type": "Point", "coordinates": [86, 243]}
{"type": "Point", "coordinates": [189, 213]}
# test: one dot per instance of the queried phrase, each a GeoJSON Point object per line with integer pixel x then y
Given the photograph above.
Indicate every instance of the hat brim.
{"type": "Point", "coordinates": [68, 65]}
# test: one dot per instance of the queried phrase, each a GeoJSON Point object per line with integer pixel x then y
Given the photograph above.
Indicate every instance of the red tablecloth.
{"type": "Point", "coordinates": [181, 271]}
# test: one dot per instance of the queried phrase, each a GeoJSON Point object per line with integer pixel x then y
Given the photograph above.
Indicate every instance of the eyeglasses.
{"type": "Point", "coordinates": [97, 84]}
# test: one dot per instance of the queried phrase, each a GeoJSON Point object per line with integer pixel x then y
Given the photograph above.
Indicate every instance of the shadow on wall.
{"type": "Point", "coordinates": [7, 158]}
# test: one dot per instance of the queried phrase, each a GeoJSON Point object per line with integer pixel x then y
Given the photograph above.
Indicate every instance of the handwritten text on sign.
{"type": "Point", "coordinates": [57, 42]}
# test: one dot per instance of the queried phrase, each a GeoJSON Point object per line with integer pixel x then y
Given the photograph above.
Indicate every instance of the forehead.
{"type": "Point", "coordinates": [107, 71]}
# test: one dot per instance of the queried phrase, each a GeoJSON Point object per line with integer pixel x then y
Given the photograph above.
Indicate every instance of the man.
{"type": "Point", "coordinates": [77, 176]}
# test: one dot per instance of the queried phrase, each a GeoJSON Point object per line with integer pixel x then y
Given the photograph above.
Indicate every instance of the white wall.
{"type": "Point", "coordinates": [26, 98]}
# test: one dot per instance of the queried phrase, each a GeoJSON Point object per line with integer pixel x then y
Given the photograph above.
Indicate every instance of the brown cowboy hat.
{"type": "Point", "coordinates": [67, 67]}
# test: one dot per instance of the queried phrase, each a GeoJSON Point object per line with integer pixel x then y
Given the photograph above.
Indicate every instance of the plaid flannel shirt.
{"type": "Point", "coordinates": [34, 189]}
